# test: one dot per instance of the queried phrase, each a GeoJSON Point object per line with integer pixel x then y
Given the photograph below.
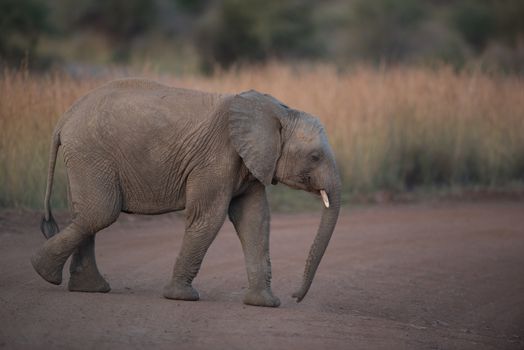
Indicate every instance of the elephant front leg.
{"type": "Point", "coordinates": [250, 216]}
{"type": "Point", "coordinates": [203, 222]}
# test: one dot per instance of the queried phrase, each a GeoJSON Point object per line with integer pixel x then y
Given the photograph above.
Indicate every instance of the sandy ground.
{"type": "Point", "coordinates": [416, 276]}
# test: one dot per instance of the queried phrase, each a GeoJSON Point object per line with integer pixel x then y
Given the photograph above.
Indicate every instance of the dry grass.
{"type": "Point", "coordinates": [395, 129]}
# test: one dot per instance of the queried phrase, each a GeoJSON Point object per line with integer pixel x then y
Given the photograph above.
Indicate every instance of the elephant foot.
{"type": "Point", "coordinates": [181, 292]}
{"type": "Point", "coordinates": [84, 282]}
{"type": "Point", "coordinates": [261, 298]}
{"type": "Point", "coordinates": [47, 267]}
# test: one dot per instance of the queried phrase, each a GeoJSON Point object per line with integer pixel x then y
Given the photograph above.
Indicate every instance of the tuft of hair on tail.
{"type": "Point", "coordinates": [49, 227]}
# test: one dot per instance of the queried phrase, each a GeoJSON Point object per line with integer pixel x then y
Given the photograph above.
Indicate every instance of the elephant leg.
{"type": "Point", "coordinates": [204, 217]}
{"type": "Point", "coordinates": [96, 203]}
{"type": "Point", "coordinates": [250, 216]}
{"type": "Point", "coordinates": [85, 276]}
{"type": "Point", "coordinates": [49, 260]}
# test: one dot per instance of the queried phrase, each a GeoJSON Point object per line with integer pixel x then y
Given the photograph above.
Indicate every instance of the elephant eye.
{"type": "Point", "coordinates": [315, 157]}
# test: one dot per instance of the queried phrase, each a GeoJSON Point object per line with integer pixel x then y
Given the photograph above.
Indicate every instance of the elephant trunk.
{"type": "Point", "coordinates": [325, 230]}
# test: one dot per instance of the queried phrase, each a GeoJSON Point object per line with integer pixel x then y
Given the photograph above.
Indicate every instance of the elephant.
{"type": "Point", "coordinates": [137, 146]}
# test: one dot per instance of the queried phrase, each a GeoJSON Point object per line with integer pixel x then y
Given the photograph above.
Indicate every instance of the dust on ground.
{"type": "Point", "coordinates": [415, 276]}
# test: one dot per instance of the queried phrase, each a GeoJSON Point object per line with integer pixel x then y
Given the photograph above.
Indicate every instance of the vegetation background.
{"type": "Point", "coordinates": [418, 96]}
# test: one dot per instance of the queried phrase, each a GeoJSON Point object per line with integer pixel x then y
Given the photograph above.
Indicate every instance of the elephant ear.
{"type": "Point", "coordinates": [254, 127]}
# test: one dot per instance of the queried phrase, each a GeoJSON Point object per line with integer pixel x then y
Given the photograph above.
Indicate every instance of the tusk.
{"type": "Point", "coordinates": [325, 198]}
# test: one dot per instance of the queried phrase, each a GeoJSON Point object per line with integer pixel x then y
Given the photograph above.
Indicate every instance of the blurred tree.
{"type": "Point", "coordinates": [509, 21]}
{"type": "Point", "coordinates": [482, 20]}
{"type": "Point", "coordinates": [118, 20]}
{"type": "Point", "coordinates": [21, 24]}
{"type": "Point", "coordinates": [250, 31]}
{"type": "Point", "coordinates": [382, 29]}
{"type": "Point", "coordinates": [192, 6]}
{"type": "Point", "coordinates": [224, 32]}
{"type": "Point", "coordinates": [475, 21]}
{"type": "Point", "coordinates": [494, 30]}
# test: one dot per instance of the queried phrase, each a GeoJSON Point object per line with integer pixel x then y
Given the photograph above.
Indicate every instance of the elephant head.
{"type": "Point", "coordinates": [280, 144]}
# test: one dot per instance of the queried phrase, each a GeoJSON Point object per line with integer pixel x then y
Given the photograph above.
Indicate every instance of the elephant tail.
{"type": "Point", "coordinates": [48, 225]}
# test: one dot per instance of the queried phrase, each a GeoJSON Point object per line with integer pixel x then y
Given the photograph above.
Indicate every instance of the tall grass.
{"type": "Point", "coordinates": [393, 129]}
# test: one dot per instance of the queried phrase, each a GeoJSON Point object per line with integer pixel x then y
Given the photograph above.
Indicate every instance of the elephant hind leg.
{"type": "Point", "coordinates": [96, 204]}
{"type": "Point", "coordinates": [85, 276]}
{"type": "Point", "coordinates": [49, 260]}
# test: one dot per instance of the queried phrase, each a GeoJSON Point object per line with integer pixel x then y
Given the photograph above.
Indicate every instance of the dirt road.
{"type": "Point", "coordinates": [417, 276]}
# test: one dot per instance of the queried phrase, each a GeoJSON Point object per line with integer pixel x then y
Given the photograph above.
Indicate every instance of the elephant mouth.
{"type": "Point", "coordinates": [297, 185]}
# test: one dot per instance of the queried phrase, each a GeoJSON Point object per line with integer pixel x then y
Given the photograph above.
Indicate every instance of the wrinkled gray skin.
{"type": "Point", "coordinates": [137, 146]}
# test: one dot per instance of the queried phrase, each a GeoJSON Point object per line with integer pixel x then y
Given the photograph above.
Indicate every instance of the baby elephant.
{"type": "Point", "coordinates": [136, 146]}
